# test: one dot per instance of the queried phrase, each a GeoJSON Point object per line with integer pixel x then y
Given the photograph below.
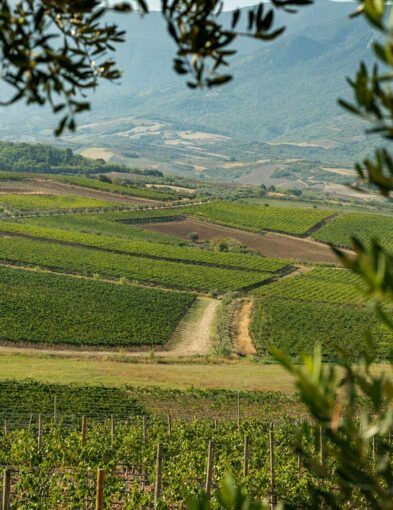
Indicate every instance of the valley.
{"type": "Point", "coordinates": [196, 235]}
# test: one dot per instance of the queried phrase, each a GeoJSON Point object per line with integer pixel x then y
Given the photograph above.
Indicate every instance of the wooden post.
{"type": "Point", "coordinates": [100, 490]}
{"type": "Point", "coordinates": [6, 489]}
{"type": "Point", "coordinates": [238, 410]}
{"type": "Point", "coordinates": [5, 427]}
{"type": "Point", "coordinates": [374, 445]}
{"type": "Point", "coordinates": [321, 447]}
{"type": "Point", "coordinates": [112, 429]}
{"type": "Point", "coordinates": [299, 452]}
{"type": "Point", "coordinates": [39, 437]}
{"type": "Point", "coordinates": [169, 424]}
{"type": "Point", "coordinates": [215, 423]}
{"type": "Point", "coordinates": [158, 480]}
{"type": "Point", "coordinates": [83, 431]}
{"type": "Point", "coordinates": [246, 456]}
{"type": "Point", "coordinates": [209, 470]}
{"type": "Point", "coordinates": [30, 422]}
{"type": "Point", "coordinates": [272, 473]}
{"type": "Point", "coordinates": [144, 428]}
{"type": "Point", "coordinates": [55, 410]}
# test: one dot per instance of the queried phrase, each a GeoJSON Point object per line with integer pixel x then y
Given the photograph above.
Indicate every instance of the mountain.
{"type": "Point", "coordinates": [284, 91]}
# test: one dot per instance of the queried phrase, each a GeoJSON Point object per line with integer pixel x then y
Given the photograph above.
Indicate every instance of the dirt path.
{"type": "Point", "coordinates": [243, 343]}
{"type": "Point", "coordinates": [194, 334]}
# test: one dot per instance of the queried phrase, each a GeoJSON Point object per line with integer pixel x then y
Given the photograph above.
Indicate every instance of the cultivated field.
{"type": "Point", "coordinates": [47, 309]}
{"type": "Point", "coordinates": [90, 262]}
{"type": "Point", "coordinates": [288, 220]}
{"type": "Point", "coordinates": [362, 226]}
{"type": "Point", "coordinates": [32, 202]}
{"type": "Point", "coordinates": [269, 244]}
{"type": "Point", "coordinates": [324, 305]}
{"type": "Point", "coordinates": [138, 269]}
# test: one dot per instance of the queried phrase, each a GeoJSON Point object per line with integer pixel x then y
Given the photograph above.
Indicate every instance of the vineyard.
{"type": "Point", "coordinates": [110, 224]}
{"type": "Point", "coordinates": [324, 305]}
{"type": "Point", "coordinates": [324, 285]}
{"type": "Point", "coordinates": [118, 188]}
{"type": "Point", "coordinates": [41, 477]}
{"type": "Point", "coordinates": [44, 202]}
{"type": "Point", "coordinates": [296, 327]}
{"type": "Point", "coordinates": [96, 448]}
{"type": "Point", "coordinates": [90, 262]}
{"type": "Point", "coordinates": [147, 249]}
{"type": "Point", "coordinates": [363, 226]}
{"type": "Point", "coordinates": [290, 220]}
{"type": "Point", "coordinates": [20, 399]}
{"type": "Point", "coordinates": [50, 309]}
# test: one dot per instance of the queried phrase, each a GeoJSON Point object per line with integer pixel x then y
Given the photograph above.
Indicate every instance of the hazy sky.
{"type": "Point", "coordinates": [155, 5]}
{"type": "Point", "coordinates": [230, 5]}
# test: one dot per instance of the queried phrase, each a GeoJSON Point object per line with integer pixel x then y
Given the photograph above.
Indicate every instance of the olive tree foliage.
{"type": "Point", "coordinates": [354, 404]}
{"type": "Point", "coordinates": [53, 51]}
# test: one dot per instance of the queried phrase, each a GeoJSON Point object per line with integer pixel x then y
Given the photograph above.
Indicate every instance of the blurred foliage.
{"type": "Point", "coordinates": [230, 497]}
{"type": "Point", "coordinates": [332, 393]}
{"type": "Point", "coordinates": [373, 95]}
{"type": "Point", "coordinates": [53, 51]}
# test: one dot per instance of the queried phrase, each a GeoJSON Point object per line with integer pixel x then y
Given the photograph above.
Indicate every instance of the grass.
{"type": "Point", "coordinates": [101, 370]}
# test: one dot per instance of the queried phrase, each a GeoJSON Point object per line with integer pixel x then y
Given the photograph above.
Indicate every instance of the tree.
{"type": "Point", "coordinates": [104, 178]}
{"type": "Point", "coordinates": [52, 51]}
{"type": "Point", "coordinates": [332, 397]}
{"type": "Point", "coordinates": [353, 405]}
{"type": "Point", "coordinates": [193, 236]}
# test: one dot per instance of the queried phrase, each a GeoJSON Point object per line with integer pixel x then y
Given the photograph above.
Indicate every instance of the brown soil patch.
{"type": "Point", "coordinates": [269, 244]}
{"type": "Point", "coordinates": [242, 342]}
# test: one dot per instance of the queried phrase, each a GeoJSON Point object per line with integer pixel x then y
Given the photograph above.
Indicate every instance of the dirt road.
{"type": "Point", "coordinates": [195, 337]}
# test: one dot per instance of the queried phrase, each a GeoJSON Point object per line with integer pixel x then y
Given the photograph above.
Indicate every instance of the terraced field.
{"type": "Point", "coordinates": [88, 261]}
{"type": "Point", "coordinates": [110, 224]}
{"type": "Point", "coordinates": [43, 308]}
{"type": "Point", "coordinates": [296, 326]}
{"type": "Point", "coordinates": [40, 202]}
{"type": "Point", "coordinates": [118, 188]}
{"type": "Point", "coordinates": [324, 285]}
{"type": "Point", "coordinates": [291, 220]}
{"type": "Point", "coordinates": [363, 226]}
{"type": "Point", "coordinates": [146, 249]}
{"type": "Point", "coordinates": [325, 306]}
